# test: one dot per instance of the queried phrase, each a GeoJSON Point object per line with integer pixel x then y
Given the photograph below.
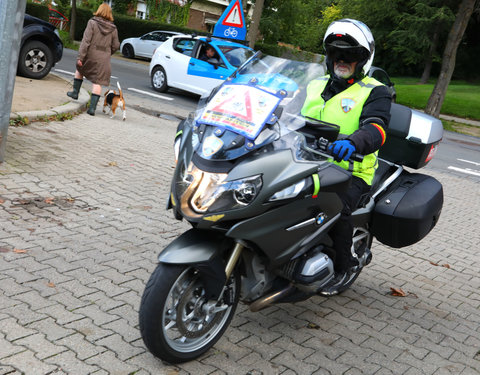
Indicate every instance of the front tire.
{"type": "Point", "coordinates": [176, 323]}
{"type": "Point", "coordinates": [35, 60]}
{"type": "Point", "coordinates": [159, 79]}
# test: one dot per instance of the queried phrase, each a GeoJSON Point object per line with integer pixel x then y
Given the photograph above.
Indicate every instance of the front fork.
{"type": "Point", "coordinates": [213, 306]}
{"type": "Point", "coordinates": [233, 260]}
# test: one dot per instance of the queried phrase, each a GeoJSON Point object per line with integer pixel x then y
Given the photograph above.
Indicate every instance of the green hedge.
{"type": "Point", "coordinates": [37, 10]}
{"type": "Point", "coordinates": [128, 26]}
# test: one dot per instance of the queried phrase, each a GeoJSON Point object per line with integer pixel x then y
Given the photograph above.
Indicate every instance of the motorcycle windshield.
{"type": "Point", "coordinates": [258, 105]}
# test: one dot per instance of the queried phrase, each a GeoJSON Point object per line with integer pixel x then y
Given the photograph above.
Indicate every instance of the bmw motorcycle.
{"type": "Point", "coordinates": [257, 184]}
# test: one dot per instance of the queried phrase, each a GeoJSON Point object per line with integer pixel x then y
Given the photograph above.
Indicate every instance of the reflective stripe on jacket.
{"type": "Point", "coordinates": [344, 109]}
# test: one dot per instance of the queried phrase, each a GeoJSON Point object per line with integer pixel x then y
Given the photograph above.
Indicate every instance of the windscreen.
{"type": "Point", "coordinates": [256, 107]}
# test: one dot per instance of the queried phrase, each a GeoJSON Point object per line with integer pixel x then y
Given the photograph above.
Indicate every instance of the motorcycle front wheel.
{"type": "Point", "coordinates": [177, 323]}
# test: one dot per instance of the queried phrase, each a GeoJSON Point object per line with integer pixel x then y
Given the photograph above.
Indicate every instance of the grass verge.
{"type": "Point", "coordinates": [462, 98]}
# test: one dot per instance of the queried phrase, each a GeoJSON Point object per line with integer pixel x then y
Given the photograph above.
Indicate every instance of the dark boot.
{"type": "Point", "coordinates": [93, 104]}
{"type": "Point", "coordinates": [77, 83]}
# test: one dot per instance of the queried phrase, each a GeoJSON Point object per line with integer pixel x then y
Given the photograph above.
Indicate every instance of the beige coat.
{"type": "Point", "coordinates": [99, 42]}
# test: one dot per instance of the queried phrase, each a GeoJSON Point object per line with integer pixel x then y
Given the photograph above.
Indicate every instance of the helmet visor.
{"type": "Point", "coordinates": [346, 54]}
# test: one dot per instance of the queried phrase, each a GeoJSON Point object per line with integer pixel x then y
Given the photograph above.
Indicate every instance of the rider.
{"type": "Point", "coordinates": [360, 105]}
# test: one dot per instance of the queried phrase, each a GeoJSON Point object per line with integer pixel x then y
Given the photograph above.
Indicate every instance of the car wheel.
{"type": "Point", "coordinates": [159, 79]}
{"type": "Point", "coordinates": [35, 60]}
{"type": "Point", "coordinates": [128, 51]}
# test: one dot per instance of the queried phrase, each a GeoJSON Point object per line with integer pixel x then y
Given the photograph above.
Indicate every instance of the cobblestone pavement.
{"type": "Point", "coordinates": [82, 219]}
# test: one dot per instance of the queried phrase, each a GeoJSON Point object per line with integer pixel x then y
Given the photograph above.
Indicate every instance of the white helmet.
{"type": "Point", "coordinates": [349, 40]}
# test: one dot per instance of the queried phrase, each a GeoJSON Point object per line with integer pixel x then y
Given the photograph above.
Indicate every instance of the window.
{"type": "Point", "coordinates": [140, 14]}
{"type": "Point", "coordinates": [184, 46]}
{"type": "Point", "coordinates": [236, 55]}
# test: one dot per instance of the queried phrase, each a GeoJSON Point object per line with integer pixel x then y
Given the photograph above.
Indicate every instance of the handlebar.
{"type": "Point", "coordinates": [323, 145]}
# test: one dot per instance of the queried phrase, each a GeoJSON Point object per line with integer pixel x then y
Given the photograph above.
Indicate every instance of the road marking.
{"type": "Point", "coordinates": [468, 161]}
{"type": "Point", "coordinates": [64, 71]}
{"type": "Point", "coordinates": [72, 74]}
{"type": "Point", "coordinates": [149, 93]}
{"type": "Point", "coordinates": [467, 170]}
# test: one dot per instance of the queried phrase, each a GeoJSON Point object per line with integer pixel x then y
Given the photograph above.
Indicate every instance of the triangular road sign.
{"type": "Point", "coordinates": [234, 17]}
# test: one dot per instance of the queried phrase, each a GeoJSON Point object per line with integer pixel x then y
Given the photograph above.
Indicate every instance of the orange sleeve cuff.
{"type": "Point", "coordinates": [382, 132]}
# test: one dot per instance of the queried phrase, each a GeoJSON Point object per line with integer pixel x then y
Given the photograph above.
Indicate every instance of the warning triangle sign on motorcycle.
{"type": "Point", "coordinates": [231, 24]}
{"type": "Point", "coordinates": [237, 106]}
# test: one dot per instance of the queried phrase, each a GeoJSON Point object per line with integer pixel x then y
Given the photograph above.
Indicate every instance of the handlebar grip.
{"type": "Point", "coordinates": [323, 145]}
{"type": "Point", "coordinates": [357, 157]}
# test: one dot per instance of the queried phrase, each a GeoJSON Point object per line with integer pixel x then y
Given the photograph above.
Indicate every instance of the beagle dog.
{"type": "Point", "coordinates": [114, 100]}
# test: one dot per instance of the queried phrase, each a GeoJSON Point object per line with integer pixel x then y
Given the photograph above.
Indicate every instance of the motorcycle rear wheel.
{"type": "Point", "coordinates": [175, 323]}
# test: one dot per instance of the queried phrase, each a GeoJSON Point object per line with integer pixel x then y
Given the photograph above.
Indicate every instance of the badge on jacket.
{"type": "Point", "coordinates": [347, 104]}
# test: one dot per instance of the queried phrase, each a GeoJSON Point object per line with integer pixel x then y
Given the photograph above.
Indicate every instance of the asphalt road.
{"type": "Point", "coordinates": [458, 154]}
{"type": "Point", "coordinates": [134, 79]}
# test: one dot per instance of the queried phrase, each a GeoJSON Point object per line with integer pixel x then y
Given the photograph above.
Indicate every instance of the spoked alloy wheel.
{"type": "Point", "coordinates": [35, 60]}
{"type": "Point", "coordinates": [159, 79]}
{"type": "Point", "coordinates": [177, 322]}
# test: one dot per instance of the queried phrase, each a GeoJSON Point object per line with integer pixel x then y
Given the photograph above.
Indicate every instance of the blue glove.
{"type": "Point", "coordinates": [342, 150]}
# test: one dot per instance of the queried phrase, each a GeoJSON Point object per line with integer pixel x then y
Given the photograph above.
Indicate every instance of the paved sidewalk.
{"type": "Point", "coordinates": [82, 220]}
{"type": "Point", "coordinates": [46, 97]}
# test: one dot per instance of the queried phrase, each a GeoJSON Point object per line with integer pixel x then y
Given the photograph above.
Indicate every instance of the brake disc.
{"type": "Point", "coordinates": [189, 303]}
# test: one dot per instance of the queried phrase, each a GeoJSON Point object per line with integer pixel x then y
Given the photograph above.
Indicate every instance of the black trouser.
{"type": "Point", "coordinates": [342, 231]}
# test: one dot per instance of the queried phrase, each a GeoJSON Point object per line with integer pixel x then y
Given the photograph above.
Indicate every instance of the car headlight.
{"type": "Point", "coordinates": [205, 192]}
{"type": "Point", "coordinates": [289, 192]}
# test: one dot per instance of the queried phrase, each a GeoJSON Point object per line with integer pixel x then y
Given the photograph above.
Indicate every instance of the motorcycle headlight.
{"type": "Point", "coordinates": [290, 192]}
{"type": "Point", "coordinates": [209, 192]}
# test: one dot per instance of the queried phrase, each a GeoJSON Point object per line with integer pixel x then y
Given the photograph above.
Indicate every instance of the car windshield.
{"type": "Point", "coordinates": [259, 105]}
{"type": "Point", "coordinates": [236, 56]}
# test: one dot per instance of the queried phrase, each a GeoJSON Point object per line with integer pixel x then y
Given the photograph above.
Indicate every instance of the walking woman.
{"type": "Point", "coordinates": [99, 42]}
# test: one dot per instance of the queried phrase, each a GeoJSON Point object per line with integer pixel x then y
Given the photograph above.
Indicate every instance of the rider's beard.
{"type": "Point", "coordinates": [343, 70]}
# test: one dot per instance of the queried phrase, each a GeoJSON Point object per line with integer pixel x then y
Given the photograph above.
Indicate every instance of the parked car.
{"type": "Point", "coordinates": [381, 75]}
{"type": "Point", "coordinates": [145, 45]}
{"type": "Point", "coordinates": [177, 63]}
{"type": "Point", "coordinates": [40, 48]}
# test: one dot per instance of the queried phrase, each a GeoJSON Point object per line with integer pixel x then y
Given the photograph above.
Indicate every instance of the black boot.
{"type": "Point", "coordinates": [93, 104]}
{"type": "Point", "coordinates": [77, 83]}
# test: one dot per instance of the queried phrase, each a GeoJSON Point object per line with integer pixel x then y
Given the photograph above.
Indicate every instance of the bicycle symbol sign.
{"type": "Point", "coordinates": [231, 32]}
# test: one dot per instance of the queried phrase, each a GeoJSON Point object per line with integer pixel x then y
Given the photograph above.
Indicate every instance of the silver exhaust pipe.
{"type": "Point", "coordinates": [269, 300]}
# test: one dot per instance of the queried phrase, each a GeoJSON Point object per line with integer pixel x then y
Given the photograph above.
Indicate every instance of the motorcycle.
{"type": "Point", "coordinates": [257, 184]}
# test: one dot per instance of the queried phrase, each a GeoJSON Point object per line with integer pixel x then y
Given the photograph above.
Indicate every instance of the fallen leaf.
{"type": "Point", "coordinates": [4, 250]}
{"type": "Point", "coordinates": [446, 265]}
{"type": "Point", "coordinates": [406, 307]}
{"type": "Point", "coordinates": [434, 264]}
{"type": "Point", "coordinates": [2, 201]}
{"type": "Point", "coordinates": [19, 251]}
{"type": "Point", "coordinates": [113, 164]}
{"type": "Point", "coordinates": [71, 200]}
{"type": "Point", "coordinates": [49, 200]}
{"type": "Point", "coordinates": [313, 326]}
{"type": "Point", "coordinates": [398, 292]}
{"type": "Point", "coordinates": [31, 229]}
{"type": "Point", "coordinates": [51, 285]}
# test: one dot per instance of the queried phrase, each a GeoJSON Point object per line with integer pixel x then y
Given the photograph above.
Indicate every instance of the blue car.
{"type": "Point", "coordinates": [181, 63]}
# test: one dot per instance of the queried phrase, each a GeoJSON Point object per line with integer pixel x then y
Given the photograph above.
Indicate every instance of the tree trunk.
{"type": "Point", "coordinates": [73, 17]}
{"type": "Point", "coordinates": [435, 101]}
{"type": "Point", "coordinates": [253, 29]}
{"type": "Point", "coordinates": [431, 52]}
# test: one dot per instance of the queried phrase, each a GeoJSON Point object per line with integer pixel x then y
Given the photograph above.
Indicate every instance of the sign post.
{"type": "Point", "coordinates": [231, 24]}
{"type": "Point", "coordinates": [11, 19]}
